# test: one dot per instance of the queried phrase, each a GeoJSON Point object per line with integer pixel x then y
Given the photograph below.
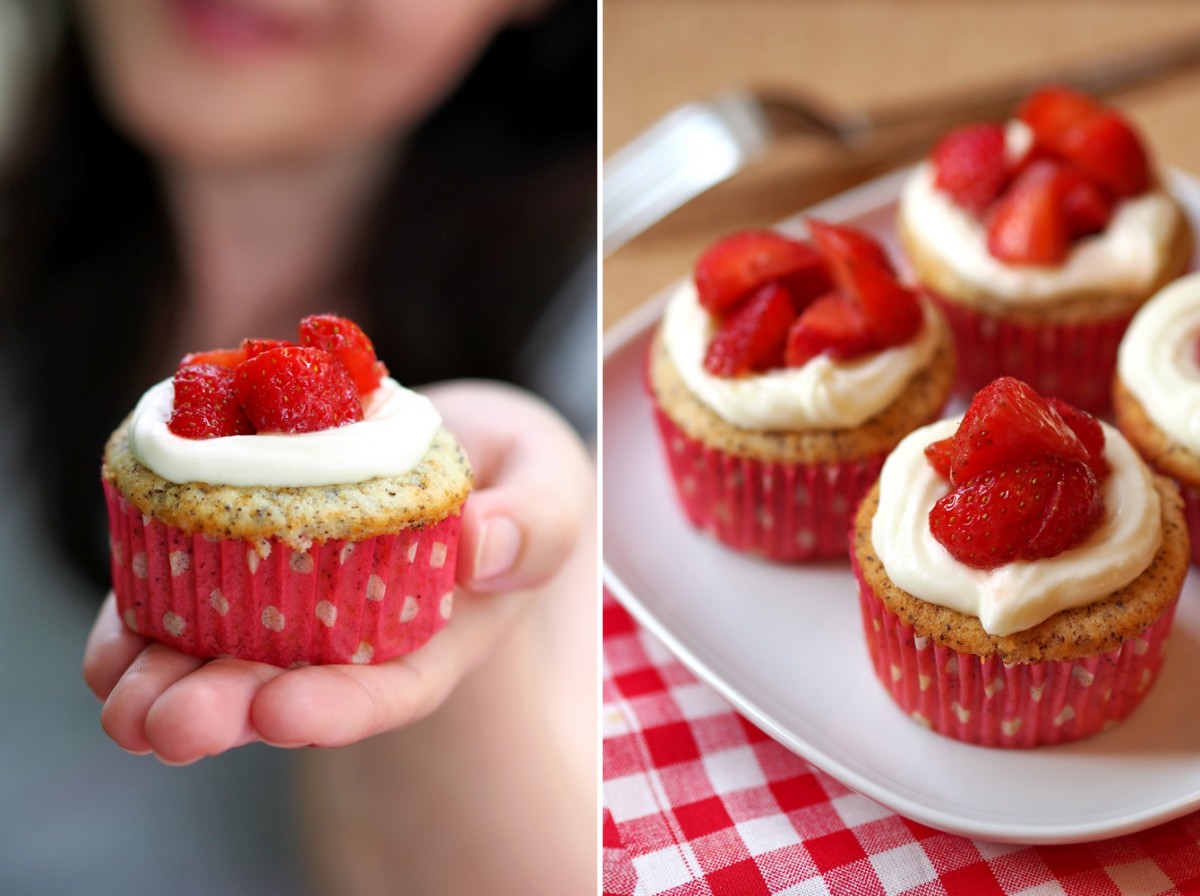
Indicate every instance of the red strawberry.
{"type": "Point", "coordinates": [970, 165]}
{"type": "Point", "coordinates": [893, 313]}
{"type": "Point", "coordinates": [346, 341]}
{"type": "Point", "coordinates": [1018, 510]}
{"type": "Point", "coordinates": [206, 403]}
{"type": "Point", "coordinates": [1028, 224]}
{"type": "Point", "coordinates": [1052, 110]}
{"type": "Point", "coordinates": [833, 325]}
{"type": "Point", "coordinates": [1008, 423]}
{"type": "Point", "coordinates": [735, 266]}
{"type": "Point", "coordinates": [1085, 204]}
{"type": "Point", "coordinates": [940, 455]}
{"type": "Point", "coordinates": [222, 357]}
{"type": "Point", "coordinates": [845, 248]}
{"type": "Point", "coordinates": [252, 347]}
{"type": "Point", "coordinates": [1107, 149]}
{"type": "Point", "coordinates": [297, 389]}
{"type": "Point", "coordinates": [1073, 510]}
{"type": "Point", "coordinates": [752, 337]}
{"type": "Point", "coordinates": [1089, 432]}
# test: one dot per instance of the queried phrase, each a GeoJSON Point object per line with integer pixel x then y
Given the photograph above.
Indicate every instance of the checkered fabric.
{"type": "Point", "coordinates": [699, 802]}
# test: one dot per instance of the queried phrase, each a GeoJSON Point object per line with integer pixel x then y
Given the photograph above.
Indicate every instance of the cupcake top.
{"type": "Point", "coordinates": [305, 441]}
{"type": "Point", "coordinates": [1018, 510]}
{"type": "Point", "coordinates": [1159, 360]}
{"type": "Point", "coordinates": [1062, 200]}
{"type": "Point", "coordinates": [781, 334]}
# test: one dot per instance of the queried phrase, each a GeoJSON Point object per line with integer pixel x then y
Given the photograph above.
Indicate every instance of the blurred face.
{"type": "Point", "coordinates": [243, 81]}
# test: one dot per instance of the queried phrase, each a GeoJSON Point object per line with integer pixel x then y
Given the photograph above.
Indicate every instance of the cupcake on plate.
{"type": "Point", "coordinates": [286, 503]}
{"type": "Point", "coordinates": [1156, 390]}
{"type": "Point", "coordinates": [782, 376]}
{"type": "Point", "coordinates": [1018, 572]}
{"type": "Point", "coordinates": [1040, 238]}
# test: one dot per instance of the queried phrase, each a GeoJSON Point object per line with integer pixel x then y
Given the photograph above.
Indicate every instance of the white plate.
{"type": "Point", "coordinates": [783, 644]}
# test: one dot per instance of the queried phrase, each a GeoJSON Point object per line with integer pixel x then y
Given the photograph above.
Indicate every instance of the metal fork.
{"type": "Point", "coordinates": [698, 145]}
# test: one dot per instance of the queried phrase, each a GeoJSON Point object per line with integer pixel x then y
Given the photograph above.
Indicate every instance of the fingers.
{"type": "Point", "coordinates": [111, 648]}
{"type": "Point", "coordinates": [535, 484]}
{"type": "Point", "coordinates": [154, 670]}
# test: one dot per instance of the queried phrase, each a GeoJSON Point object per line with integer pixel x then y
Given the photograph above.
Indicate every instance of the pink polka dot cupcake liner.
{"type": "Point", "coordinates": [1191, 512]}
{"type": "Point", "coordinates": [1074, 362]}
{"type": "Point", "coordinates": [338, 602]}
{"type": "Point", "coordinates": [784, 512]}
{"type": "Point", "coordinates": [986, 702]}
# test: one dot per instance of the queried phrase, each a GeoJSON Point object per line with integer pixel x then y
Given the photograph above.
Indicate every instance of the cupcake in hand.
{"type": "Point", "coordinates": [780, 379]}
{"type": "Point", "coordinates": [1040, 237]}
{"type": "Point", "coordinates": [287, 503]}
{"type": "Point", "coordinates": [1018, 572]}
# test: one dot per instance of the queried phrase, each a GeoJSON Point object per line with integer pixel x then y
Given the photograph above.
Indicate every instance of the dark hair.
{"type": "Point", "coordinates": [490, 210]}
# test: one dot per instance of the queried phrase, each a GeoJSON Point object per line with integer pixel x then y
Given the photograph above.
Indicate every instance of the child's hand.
{"type": "Point", "coordinates": [534, 488]}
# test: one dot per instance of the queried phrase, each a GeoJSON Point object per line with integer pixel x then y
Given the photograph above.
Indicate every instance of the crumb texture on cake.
{"type": "Point", "coordinates": [1160, 451]}
{"type": "Point", "coordinates": [433, 490]}
{"type": "Point", "coordinates": [921, 401]}
{"type": "Point", "coordinates": [1075, 308]}
{"type": "Point", "coordinates": [1071, 634]}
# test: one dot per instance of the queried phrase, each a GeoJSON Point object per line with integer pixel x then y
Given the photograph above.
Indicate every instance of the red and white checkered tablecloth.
{"type": "Point", "coordinates": [699, 802]}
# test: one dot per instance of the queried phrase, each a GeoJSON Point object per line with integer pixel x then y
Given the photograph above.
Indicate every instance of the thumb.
{"type": "Point", "coordinates": [534, 484]}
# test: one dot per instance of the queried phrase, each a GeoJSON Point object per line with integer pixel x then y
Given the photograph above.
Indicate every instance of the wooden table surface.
{"type": "Point", "coordinates": [853, 54]}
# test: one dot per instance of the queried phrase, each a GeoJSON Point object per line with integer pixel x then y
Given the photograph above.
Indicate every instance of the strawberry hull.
{"type": "Point", "coordinates": [786, 512]}
{"type": "Point", "coordinates": [337, 602]}
{"type": "Point", "coordinates": [1074, 362]}
{"type": "Point", "coordinates": [988, 703]}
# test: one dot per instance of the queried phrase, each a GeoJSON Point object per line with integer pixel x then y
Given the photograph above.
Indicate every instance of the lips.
{"type": "Point", "coordinates": [236, 26]}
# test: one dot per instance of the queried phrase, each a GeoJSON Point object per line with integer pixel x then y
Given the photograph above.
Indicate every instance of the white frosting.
{"type": "Point", "coordinates": [822, 394]}
{"type": "Point", "coordinates": [1018, 595]}
{"type": "Point", "coordinates": [1157, 360]}
{"type": "Point", "coordinates": [1126, 255]}
{"type": "Point", "coordinates": [397, 429]}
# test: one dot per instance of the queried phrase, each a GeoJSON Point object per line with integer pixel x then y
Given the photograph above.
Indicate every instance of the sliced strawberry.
{"type": "Point", "coordinates": [1028, 224]}
{"type": "Point", "coordinates": [346, 341]}
{"type": "Point", "coordinates": [222, 357]}
{"type": "Point", "coordinates": [940, 455]}
{"type": "Point", "coordinates": [1105, 147]}
{"type": "Point", "coordinates": [752, 337]}
{"type": "Point", "coordinates": [1089, 432]}
{"type": "Point", "coordinates": [1086, 206]}
{"type": "Point", "coordinates": [1072, 511]}
{"type": "Point", "coordinates": [206, 403]}
{"type": "Point", "coordinates": [1007, 423]}
{"type": "Point", "coordinates": [1052, 110]}
{"type": "Point", "coordinates": [253, 347]}
{"type": "Point", "coordinates": [893, 313]}
{"type": "Point", "coordinates": [735, 266]}
{"type": "Point", "coordinates": [1026, 510]}
{"type": "Point", "coordinates": [297, 389]}
{"type": "Point", "coordinates": [845, 249]}
{"type": "Point", "coordinates": [971, 166]}
{"type": "Point", "coordinates": [986, 520]}
{"type": "Point", "coordinates": [832, 325]}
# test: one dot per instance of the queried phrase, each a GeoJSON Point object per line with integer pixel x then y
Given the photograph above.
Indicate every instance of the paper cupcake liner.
{"type": "Point", "coordinates": [1074, 362]}
{"type": "Point", "coordinates": [787, 512]}
{"type": "Point", "coordinates": [986, 702]}
{"type": "Point", "coordinates": [337, 602]}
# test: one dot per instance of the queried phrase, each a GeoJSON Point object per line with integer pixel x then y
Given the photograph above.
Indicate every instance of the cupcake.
{"type": "Point", "coordinates": [780, 379]}
{"type": "Point", "coordinates": [1018, 572]}
{"type": "Point", "coordinates": [285, 503]}
{"type": "Point", "coordinates": [1040, 238]}
{"type": "Point", "coordinates": [1156, 390]}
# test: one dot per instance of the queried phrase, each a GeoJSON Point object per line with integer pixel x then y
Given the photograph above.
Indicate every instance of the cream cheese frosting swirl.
{"type": "Point", "coordinates": [1015, 596]}
{"type": "Point", "coordinates": [1127, 255]}
{"type": "Point", "coordinates": [1157, 360]}
{"type": "Point", "coordinates": [397, 429]}
{"type": "Point", "coordinates": [822, 394]}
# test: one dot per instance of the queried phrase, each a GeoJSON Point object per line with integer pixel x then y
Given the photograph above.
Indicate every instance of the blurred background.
{"type": "Point", "coordinates": [480, 231]}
